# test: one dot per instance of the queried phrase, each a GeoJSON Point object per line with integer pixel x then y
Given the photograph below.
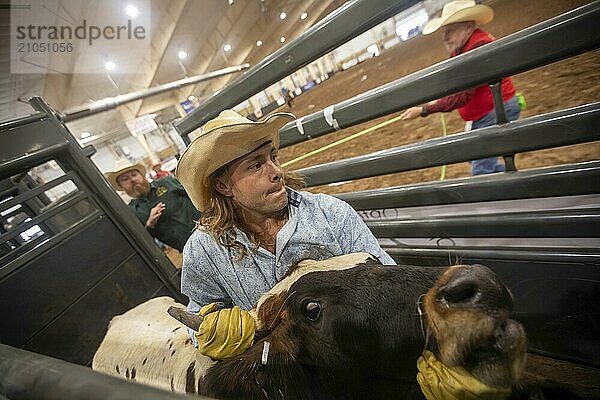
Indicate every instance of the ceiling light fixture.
{"type": "Point", "coordinates": [282, 15]}
{"type": "Point", "coordinates": [303, 15]}
{"type": "Point", "coordinates": [282, 39]}
{"type": "Point", "coordinates": [131, 10]}
{"type": "Point", "coordinates": [182, 54]}
{"type": "Point", "coordinates": [191, 98]}
{"type": "Point", "coordinates": [258, 43]}
{"type": "Point", "coordinates": [110, 65]}
{"type": "Point", "coordinates": [227, 47]}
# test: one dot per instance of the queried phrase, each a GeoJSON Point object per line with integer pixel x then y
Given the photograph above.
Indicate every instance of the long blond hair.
{"type": "Point", "coordinates": [221, 217]}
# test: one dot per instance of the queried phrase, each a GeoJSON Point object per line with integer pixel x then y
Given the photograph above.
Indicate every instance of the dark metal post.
{"type": "Point", "coordinates": [501, 118]}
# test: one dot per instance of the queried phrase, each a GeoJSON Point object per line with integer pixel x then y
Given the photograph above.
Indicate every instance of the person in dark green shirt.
{"type": "Point", "coordinates": [162, 205]}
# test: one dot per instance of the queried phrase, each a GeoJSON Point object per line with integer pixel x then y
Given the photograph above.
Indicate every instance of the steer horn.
{"type": "Point", "coordinates": [193, 321]}
{"type": "Point", "coordinates": [190, 320]}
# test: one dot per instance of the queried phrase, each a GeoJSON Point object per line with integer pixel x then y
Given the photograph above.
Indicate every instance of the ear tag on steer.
{"type": "Point", "coordinates": [265, 352]}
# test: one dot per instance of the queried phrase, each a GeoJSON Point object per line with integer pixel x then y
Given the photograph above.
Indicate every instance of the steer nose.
{"type": "Point", "coordinates": [474, 286]}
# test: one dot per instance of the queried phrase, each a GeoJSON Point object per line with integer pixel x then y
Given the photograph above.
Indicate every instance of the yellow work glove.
{"type": "Point", "coordinates": [438, 382]}
{"type": "Point", "coordinates": [224, 333]}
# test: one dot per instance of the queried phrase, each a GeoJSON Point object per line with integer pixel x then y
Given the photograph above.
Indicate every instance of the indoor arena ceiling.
{"type": "Point", "coordinates": [201, 28]}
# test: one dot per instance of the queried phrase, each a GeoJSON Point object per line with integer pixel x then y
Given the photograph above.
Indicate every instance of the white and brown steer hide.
{"type": "Point", "coordinates": [346, 327]}
{"type": "Point", "coordinates": [148, 346]}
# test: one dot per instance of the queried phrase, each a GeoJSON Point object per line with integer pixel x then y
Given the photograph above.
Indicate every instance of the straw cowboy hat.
{"type": "Point", "coordinates": [460, 11]}
{"type": "Point", "coordinates": [222, 140]}
{"type": "Point", "coordinates": [113, 175]}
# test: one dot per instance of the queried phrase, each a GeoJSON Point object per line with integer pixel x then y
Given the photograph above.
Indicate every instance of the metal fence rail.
{"type": "Point", "coordinates": [579, 255]}
{"type": "Point", "coordinates": [565, 180]}
{"type": "Point", "coordinates": [540, 224]}
{"type": "Point", "coordinates": [535, 46]}
{"type": "Point", "coordinates": [30, 376]}
{"type": "Point", "coordinates": [5, 205]}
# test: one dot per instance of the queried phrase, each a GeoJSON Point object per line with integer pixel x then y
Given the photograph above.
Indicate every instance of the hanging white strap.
{"type": "Point", "coordinates": [299, 125]}
{"type": "Point", "coordinates": [328, 114]}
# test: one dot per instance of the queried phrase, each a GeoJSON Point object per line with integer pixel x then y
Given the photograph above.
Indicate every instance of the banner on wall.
{"type": "Point", "coordinates": [187, 106]}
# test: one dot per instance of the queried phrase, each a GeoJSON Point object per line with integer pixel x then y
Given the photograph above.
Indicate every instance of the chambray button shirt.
{"type": "Point", "coordinates": [319, 227]}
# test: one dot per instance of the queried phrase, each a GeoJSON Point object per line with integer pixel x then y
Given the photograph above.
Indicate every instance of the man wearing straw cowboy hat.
{"type": "Point", "coordinates": [458, 27]}
{"type": "Point", "coordinates": [254, 226]}
{"type": "Point", "coordinates": [162, 206]}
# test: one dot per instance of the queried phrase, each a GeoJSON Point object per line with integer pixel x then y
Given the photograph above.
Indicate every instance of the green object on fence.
{"type": "Point", "coordinates": [444, 131]}
{"type": "Point", "coordinates": [521, 101]}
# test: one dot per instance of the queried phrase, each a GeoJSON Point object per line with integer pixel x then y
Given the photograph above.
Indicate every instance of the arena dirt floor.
{"type": "Point", "coordinates": [564, 84]}
{"type": "Point", "coordinates": [561, 85]}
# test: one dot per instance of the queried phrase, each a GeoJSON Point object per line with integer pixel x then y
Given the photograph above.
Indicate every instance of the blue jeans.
{"type": "Point", "coordinates": [492, 164]}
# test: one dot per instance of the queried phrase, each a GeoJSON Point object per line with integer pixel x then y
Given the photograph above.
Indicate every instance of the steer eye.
{"type": "Point", "coordinates": [313, 310]}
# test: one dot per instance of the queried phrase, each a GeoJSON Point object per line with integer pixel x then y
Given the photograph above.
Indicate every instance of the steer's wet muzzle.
{"type": "Point", "coordinates": [467, 286]}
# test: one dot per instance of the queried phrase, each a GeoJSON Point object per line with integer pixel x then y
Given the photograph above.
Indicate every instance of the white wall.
{"type": "Point", "coordinates": [104, 159]}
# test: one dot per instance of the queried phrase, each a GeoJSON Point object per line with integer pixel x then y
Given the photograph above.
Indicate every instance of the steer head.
{"type": "Point", "coordinates": [355, 330]}
{"type": "Point", "coordinates": [467, 313]}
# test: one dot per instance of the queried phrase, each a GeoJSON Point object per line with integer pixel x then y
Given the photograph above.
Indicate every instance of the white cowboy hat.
{"type": "Point", "coordinates": [460, 11]}
{"type": "Point", "coordinates": [222, 140]}
{"type": "Point", "coordinates": [113, 175]}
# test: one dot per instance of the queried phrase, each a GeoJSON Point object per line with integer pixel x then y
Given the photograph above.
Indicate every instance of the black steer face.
{"type": "Point", "coordinates": [357, 333]}
{"type": "Point", "coordinates": [365, 315]}
{"type": "Point", "coordinates": [359, 329]}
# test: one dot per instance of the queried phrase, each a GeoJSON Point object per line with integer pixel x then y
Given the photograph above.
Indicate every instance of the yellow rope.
{"type": "Point", "coordinates": [444, 131]}
{"type": "Point", "coordinates": [344, 140]}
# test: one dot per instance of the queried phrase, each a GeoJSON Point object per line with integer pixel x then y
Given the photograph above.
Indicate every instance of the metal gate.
{"type": "Point", "coordinates": [72, 253]}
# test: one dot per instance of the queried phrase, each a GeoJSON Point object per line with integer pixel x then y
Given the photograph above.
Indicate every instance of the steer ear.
{"type": "Point", "coordinates": [270, 312]}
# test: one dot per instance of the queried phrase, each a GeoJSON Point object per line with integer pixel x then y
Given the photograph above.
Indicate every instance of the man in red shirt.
{"type": "Point", "coordinates": [458, 26]}
{"type": "Point", "coordinates": [158, 172]}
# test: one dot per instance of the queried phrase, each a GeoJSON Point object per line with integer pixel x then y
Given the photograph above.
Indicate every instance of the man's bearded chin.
{"type": "Point", "coordinates": [139, 190]}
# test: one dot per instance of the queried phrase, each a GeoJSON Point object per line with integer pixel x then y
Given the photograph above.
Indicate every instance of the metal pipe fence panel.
{"type": "Point", "coordinates": [5, 205]}
{"type": "Point", "coordinates": [571, 126]}
{"type": "Point", "coordinates": [8, 124]}
{"type": "Point", "coordinates": [538, 45]}
{"type": "Point", "coordinates": [91, 177]}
